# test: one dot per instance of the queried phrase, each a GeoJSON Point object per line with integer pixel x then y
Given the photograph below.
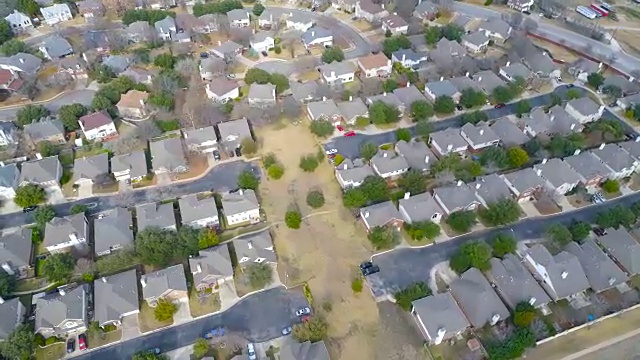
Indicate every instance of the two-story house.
{"type": "Point", "coordinates": [91, 9]}
{"type": "Point", "coordinates": [239, 18]}
{"type": "Point", "coordinates": [115, 298]}
{"type": "Point", "coordinates": [45, 172]}
{"type": "Point", "coordinates": [167, 156]}
{"type": "Point", "coordinates": [55, 47]}
{"type": "Point", "coordinates": [394, 24]}
{"type": "Point", "coordinates": [62, 233]}
{"type": "Point", "coordinates": [63, 312]}
{"type": "Point", "coordinates": [478, 300]}
{"type": "Point", "coordinates": [479, 136]}
{"type": "Point", "coordinates": [133, 104]}
{"type": "Point", "coordinates": [326, 110]}
{"type": "Point", "coordinates": [558, 175]}
{"type": "Point", "coordinates": [448, 141]}
{"type": "Point", "coordinates": [202, 140]}
{"type": "Point", "coordinates": [439, 317]}
{"type": "Point", "coordinates": [601, 271]}
{"type": "Point", "coordinates": [169, 284]}
{"type": "Point", "coordinates": [240, 207]}
{"type": "Point", "coordinates": [56, 13]}
{"type": "Point", "coordinates": [352, 174]}
{"type": "Point", "coordinates": [222, 90]}
{"type": "Point", "coordinates": [233, 132]}
{"type": "Point", "coordinates": [383, 214]}
{"type": "Point", "coordinates": [15, 252]}
{"type": "Point", "coordinates": [436, 89]}
{"type": "Point", "coordinates": [198, 212]}
{"type": "Point", "coordinates": [156, 215]}
{"type": "Point", "coordinates": [370, 11]}
{"type": "Point", "coordinates": [211, 268]}
{"type": "Point", "coordinates": [475, 42]}
{"type": "Point", "coordinates": [97, 126]}
{"type": "Point", "coordinates": [515, 284]}
{"type": "Point", "coordinates": [561, 275]}
{"type": "Point", "coordinates": [496, 28]}
{"type": "Point", "coordinates": [299, 22]}
{"type": "Point", "coordinates": [584, 109]}
{"type": "Point", "coordinates": [18, 21]}
{"type": "Point", "coordinates": [592, 170]}
{"type": "Point", "coordinates": [13, 312]}
{"type": "Point", "coordinates": [420, 208]}
{"type": "Point", "coordinates": [337, 72]}
{"type": "Point", "coordinates": [113, 230]}
{"type": "Point", "coordinates": [166, 28]}
{"type": "Point", "coordinates": [388, 164]}
{"type": "Point", "coordinates": [255, 248]}
{"type": "Point", "coordinates": [622, 164]}
{"type": "Point", "coordinates": [512, 71]}
{"type": "Point", "coordinates": [524, 184]}
{"type": "Point", "coordinates": [409, 58]}
{"type": "Point", "coordinates": [262, 95]}
{"type": "Point", "coordinates": [374, 65]}
{"type": "Point", "coordinates": [131, 167]}
{"type": "Point", "coordinates": [91, 170]}
{"type": "Point", "coordinates": [457, 197]}
{"type": "Point", "coordinates": [317, 37]}
{"type": "Point", "coordinates": [262, 41]}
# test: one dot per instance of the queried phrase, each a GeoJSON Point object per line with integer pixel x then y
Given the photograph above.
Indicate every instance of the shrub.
{"type": "Point", "coordinates": [611, 186]}
{"type": "Point", "coordinates": [471, 254]}
{"type": "Point", "coordinates": [275, 171]}
{"type": "Point", "coordinates": [293, 219]}
{"type": "Point", "coordinates": [309, 163]}
{"type": "Point", "coordinates": [39, 340]}
{"type": "Point", "coordinates": [413, 292]}
{"type": "Point", "coordinates": [51, 340]}
{"type": "Point", "coordinates": [306, 289]}
{"type": "Point", "coordinates": [315, 199]}
{"type": "Point", "coordinates": [356, 285]}
{"type": "Point", "coordinates": [524, 314]}
{"type": "Point", "coordinates": [277, 49]}
{"type": "Point", "coordinates": [338, 159]}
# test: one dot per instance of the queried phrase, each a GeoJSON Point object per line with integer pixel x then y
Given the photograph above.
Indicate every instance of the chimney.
{"type": "Point", "coordinates": [538, 172]}
{"type": "Point", "coordinates": [637, 139]}
{"type": "Point", "coordinates": [426, 159]}
{"type": "Point", "coordinates": [407, 195]}
{"type": "Point", "coordinates": [600, 66]}
{"type": "Point", "coordinates": [478, 185]}
{"type": "Point", "coordinates": [564, 274]}
{"type": "Point", "coordinates": [449, 147]}
{"type": "Point", "coordinates": [404, 57]}
{"type": "Point", "coordinates": [333, 74]}
{"type": "Point", "coordinates": [382, 6]}
{"type": "Point", "coordinates": [73, 237]}
{"type": "Point", "coordinates": [631, 79]}
{"type": "Point", "coordinates": [601, 146]}
{"type": "Point", "coordinates": [241, 192]}
{"type": "Point", "coordinates": [366, 214]}
{"type": "Point", "coordinates": [250, 244]}
{"type": "Point", "coordinates": [219, 42]}
{"type": "Point", "coordinates": [384, 93]}
{"type": "Point", "coordinates": [104, 279]}
{"type": "Point", "coordinates": [345, 167]}
{"type": "Point", "coordinates": [481, 131]}
{"type": "Point", "coordinates": [459, 183]}
{"type": "Point", "coordinates": [494, 319]}
{"type": "Point", "coordinates": [141, 102]}
{"type": "Point", "coordinates": [313, 33]}
{"type": "Point", "coordinates": [577, 152]}
{"type": "Point", "coordinates": [532, 301]}
{"type": "Point", "coordinates": [143, 281]}
{"type": "Point", "coordinates": [479, 78]}
{"type": "Point", "coordinates": [198, 269]}
{"type": "Point", "coordinates": [350, 97]}
{"type": "Point", "coordinates": [544, 161]}
{"type": "Point", "coordinates": [441, 78]}
{"type": "Point", "coordinates": [552, 117]}
{"type": "Point", "coordinates": [440, 337]}
{"type": "Point", "coordinates": [384, 154]}
{"type": "Point", "coordinates": [7, 268]}
{"type": "Point", "coordinates": [508, 63]}
{"type": "Point", "coordinates": [324, 98]}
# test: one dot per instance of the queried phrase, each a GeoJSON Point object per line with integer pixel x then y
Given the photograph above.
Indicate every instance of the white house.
{"type": "Point", "coordinates": [241, 207]}
{"type": "Point", "coordinates": [395, 24]}
{"type": "Point", "coordinates": [97, 126]}
{"type": "Point", "coordinates": [63, 232]}
{"type": "Point", "coordinates": [9, 177]}
{"type": "Point", "coordinates": [375, 65]}
{"type": "Point", "coordinates": [317, 37]}
{"type": "Point", "coordinates": [295, 21]}
{"type": "Point", "coordinates": [388, 164]}
{"type": "Point", "coordinates": [558, 175]}
{"type": "Point", "coordinates": [338, 72]}
{"type": "Point", "coordinates": [239, 18]}
{"type": "Point", "coordinates": [520, 5]}
{"type": "Point", "coordinates": [262, 41]}
{"type": "Point", "coordinates": [198, 213]}
{"type": "Point", "coordinates": [56, 13]}
{"type": "Point", "coordinates": [18, 21]}
{"type": "Point", "coordinates": [584, 109]}
{"type": "Point", "coordinates": [222, 90]}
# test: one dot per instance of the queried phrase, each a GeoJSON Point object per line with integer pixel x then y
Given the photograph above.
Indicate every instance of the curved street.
{"type": "Point", "coordinates": [83, 97]}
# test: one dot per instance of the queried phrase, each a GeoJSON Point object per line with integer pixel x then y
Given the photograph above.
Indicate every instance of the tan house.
{"type": "Point", "coordinates": [374, 65]}
{"type": "Point", "coordinates": [133, 104]}
{"type": "Point", "coordinates": [169, 284]}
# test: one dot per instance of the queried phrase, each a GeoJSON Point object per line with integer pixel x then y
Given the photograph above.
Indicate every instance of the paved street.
{"type": "Point", "coordinates": [83, 97]}
{"type": "Point", "coordinates": [259, 317]}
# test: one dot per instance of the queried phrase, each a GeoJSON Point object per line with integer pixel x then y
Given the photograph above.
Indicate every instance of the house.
{"type": "Point", "coordinates": [475, 42]}
{"type": "Point", "coordinates": [632, 147]}
{"type": "Point", "coordinates": [388, 165]}
{"type": "Point", "coordinates": [304, 92]}
{"type": "Point", "coordinates": [211, 268]}
{"type": "Point", "coordinates": [515, 284]}
{"type": "Point", "coordinates": [346, 5]}
{"type": "Point", "coordinates": [337, 72]}
{"type": "Point", "coordinates": [558, 175]}
{"type": "Point", "coordinates": [426, 10]}
{"type": "Point", "coordinates": [417, 154]}
{"type": "Point", "coordinates": [212, 68]}
{"type": "Point", "coordinates": [18, 21]}
{"type": "Point", "coordinates": [584, 109]}
{"type": "Point", "coordinates": [241, 207]}
{"type": "Point", "coordinates": [381, 215]}
{"type": "Point", "coordinates": [439, 317]}
{"type": "Point", "coordinates": [55, 47]}
{"type": "Point", "coordinates": [140, 31]}
{"type": "Point", "coordinates": [13, 312]}
{"type": "Point", "coordinates": [75, 66]}
{"type": "Point", "coordinates": [63, 232]}
{"type": "Point", "coordinates": [56, 13]}
{"type": "Point", "coordinates": [115, 297]}
{"type": "Point", "coordinates": [448, 141]}
{"type": "Point", "coordinates": [293, 350]}
{"type": "Point", "coordinates": [159, 4]}
{"type": "Point", "coordinates": [168, 284]}
{"type": "Point", "coordinates": [479, 136]}
{"type": "Point", "coordinates": [617, 159]}
{"type": "Point", "coordinates": [370, 11]}
{"type": "Point", "coordinates": [490, 189]}
{"type": "Point", "coordinates": [324, 110]}
{"type": "Point", "coordinates": [239, 18]}
{"type": "Point", "coordinates": [317, 37]}
{"type": "Point", "coordinates": [167, 156]}
{"type": "Point", "coordinates": [138, 75]}
{"type": "Point", "coordinates": [15, 252]}
{"type": "Point", "coordinates": [166, 28]}
{"type": "Point", "coordinates": [508, 132]}
{"type": "Point", "coordinates": [582, 68]}
{"type": "Point", "coordinates": [155, 215]}
{"type": "Point", "coordinates": [63, 312]}
{"type": "Point", "coordinates": [98, 41]}
{"type": "Point", "coordinates": [8, 133]}
{"type": "Point", "coordinates": [435, 89]}
{"type": "Point", "coordinates": [458, 197]}
{"type": "Point", "coordinates": [201, 140]}
{"type": "Point", "coordinates": [262, 41]}
{"type": "Point", "coordinates": [477, 299]}
{"type": "Point", "coordinates": [133, 104]}
{"type": "Point", "coordinates": [351, 174]}
{"type": "Point", "coordinates": [233, 132]}
{"type": "Point", "coordinates": [227, 50]}
{"type": "Point", "coordinates": [558, 121]}
{"type": "Point", "coordinates": [117, 63]}
{"type": "Point", "coordinates": [189, 23]}
{"type": "Point", "coordinates": [353, 109]}
{"type": "Point", "coordinates": [374, 65]}
{"type": "Point", "coordinates": [419, 208]}
{"type": "Point", "coordinates": [45, 172]}
{"type": "Point", "coordinates": [9, 177]}
{"type": "Point", "coordinates": [627, 102]}
{"type": "Point", "coordinates": [520, 5]}
{"type": "Point", "coordinates": [488, 81]}
{"type": "Point", "coordinates": [627, 86]}
{"type": "Point", "coordinates": [561, 275]}
{"type": "Point", "coordinates": [298, 22]}
{"type": "Point", "coordinates": [542, 66]}
{"type": "Point", "coordinates": [97, 126]}
{"type": "Point", "coordinates": [91, 170]}
{"type": "Point", "coordinates": [623, 247]}
{"type": "Point", "coordinates": [113, 230]}
{"type": "Point", "coordinates": [91, 9]}
{"type": "Point", "coordinates": [408, 95]}
{"type": "Point", "coordinates": [395, 24]}
{"type": "Point", "coordinates": [222, 90]}
{"type": "Point", "coordinates": [132, 166]}
{"type": "Point", "coordinates": [255, 248]}
{"type": "Point", "coordinates": [198, 213]}
{"type": "Point", "coordinates": [524, 184]}
{"type": "Point", "coordinates": [388, 98]}
{"type": "Point", "coordinates": [512, 71]}
{"type": "Point", "coordinates": [602, 273]}
{"type": "Point", "coordinates": [409, 58]}
{"type": "Point", "coordinates": [464, 82]}
{"type": "Point", "coordinates": [590, 168]}
{"type": "Point", "coordinates": [450, 48]}
{"type": "Point", "coordinates": [496, 29]}
{"type": "Point", "coordinates": [266, 20]}
{"type": "Point", "coordinates": [562, 122]}
{"type": "Point", "coordinates": [262, 95]}
{"type": "Point", "coordinates": [10, 81]}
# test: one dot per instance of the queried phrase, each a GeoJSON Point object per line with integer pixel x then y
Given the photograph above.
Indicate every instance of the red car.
{"type": "Point", "coordinates": [499, 106]}
{"type": "Point", "coordinates": [339, 127]}
{"type": "Point", "coordinates": [350, 133]}
{"type": "Point", "coordinates": [82, 342]}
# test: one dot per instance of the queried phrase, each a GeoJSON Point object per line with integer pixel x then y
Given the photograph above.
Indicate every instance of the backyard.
{"type": "Point", "coordinates": [55, 351]}
{"type": "Point", "coordinates": [203, 304]}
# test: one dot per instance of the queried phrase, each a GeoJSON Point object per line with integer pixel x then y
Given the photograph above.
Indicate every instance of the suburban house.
{"type": "Point", "coordinates": [439, 317]}
{"type": "Point", "coordinates": [13, 312]}
{"type": "Point", "coordinates": [457, 197]}
{"type": "Point", "coordinates": [166, 28]}
{"type": "Point", "coordinates": [262, 95]}
{"type": "Point", "coordinates": [202, 140]}
{"type": "Point", "coordinates": [169, 284]}
{"type": "Point", "coordinates": [628, 102]}
{"type": "Point", "coordinates": [381, 215]}
{"type": "Point", "coordinates": [317, 37]}
{"type": "Point", "coordinates": [512, 71]}
{"type": "Point", "coordinates": [211, 268]}
{"type": "Point", "coordinates": [475, 42]}
{"type": "Point", "coordinates": [324, 110]}
{"type": "Point", "coordinates": [558, 121]}
{"type": "Point", "coordinates": [559, 176]}
{"type": "Point", "coordinates": [255, 248]}
{"type": "Point", "coordinates": [294, 350]}
{"type": "Point", "coordinates": [464, 82]}
{"type": "Point", "coordinates": [227, 50]}
{"type": "Point", "coordinates": [561, 275]}
{"type": "Point", "coordinates": [542, 65]}
{"type": "Point", "coordinates": [189, 23]}
{"type": "Point", "coordinates": [477, 299]}
{"type": "Point", "coordinates": [602, 273]}
{"type": "Point", "coordinates": [198, 213]}
{"type": "Point", "coordinates": [262, 41]}
{"type": "Point", "coordinates": [63, 312]}
{"type": "Point", "coordinates": [394, 24]}
{"type": "Point", "coordinates": [222, 90]}
{"type": "Point", "coordinates": [582, 68]}
{"type": "Point", "coordinates": [117, 63]}
{"type": "Point", "coordinates": [241, 207]}
{"type": "Point", "coordinates": [239, 18]}
{"type": "Point", "coordinates": [389, 165]}
{"type": "Point", "coordinates": [167, 156]}
{"type": "Point", "coordinates": [515, 284]}
{"type": "Point", "coordinates": [408, 95]}
{"type": "Point", "coordinates": [303, 92]}
{"type": "Point", "coordinates": [592, 170]}
{"type": "Point", "coordinates": [496, 29]}
{"type": "Point", "coordinates": [98, 41]}
{"type": "Point", "coordinates": [97, 126]}
{"type": "Point", "coordinates": [435, 89]}
{"type": "Point", "coordinates": [417, 154]}
{"type": "Point", "coordinates": [45, 172]}
{"type": "Point", "coordinates": [353, 109]}
{"type": "Point", "coordinates": [628, 86]}
{"type": "Point", "coordinates": [91, 170]}
{"type": "Point", "coordinates": [266, 20]}
{"type": "Point", "coordinates": [374, 65]}
{"type": "Point", "coordinates": [524, 184]}
{"type": "Point", "coordinates": [490, 189]}
{"type": "Point", "coordinates": [426, 10]}
{"type": "Point", "coordinates": [63, 232]}
{"type": "Point", "coordinates": [116, 297]}
{"type": "Point", "coordinates": [56, 13]}
{"type": "Point", "coordinates": [74, 66]}
{"type": "Point", "coordinates": [55, 47]}
{"type": "Point", "coordinates": [479, 136]}
{"type": "Point", "coordinates": [15, 252]}
{"type": "Point", "coordinates": [390, 99]}
{"type": "Point", "coordinates": [155, 215]}
{"type": "Point", "coordinates": [409, 58]}
{"type": "Point", "coordinates": [113, 230]}
{"type": "Point", "coordinates": [233, 132]}
{"type": "Point", "coordinates": [617, 159]}
{"type": "Point", "coordinates": [298, 22]}
{"type": "Point", "coordinates": [623, 247]}
{"type": "Point", "coordinates": [584, 109]}
{"type": "Point", "coordinates": [10, 81]}
{"type": "Point", "coordinates": [520, 5]}
{"type": "Point", "coordinates": [488, 81]}
{"type": "Point", "coordinates": [337, 72]}
{"type": "Point", "coordinates": [448, 141]}
{"type": "Point", "coordinates": [140, 31]}
{"type": "Point", "coordinates": [351, 174]}
{"type": "Point", "coordinates": [451, 48]}
{"type": "Point", "coordinates": [18, 21]}
{"type": "Point", "coordinates": [370, 11]}
{"type": "Point", "coordinates": [212, 68]}
{"type": "Point", "coordinates": [9, 181]}
{"type": "Point", "coordinates": [133, 104]}
{"type": "Point", "coordinates": [508, 132]}
{"type": "Point", "coordinates": [22, 63]}
{"type": "Point", "coordinates": [132, 166]}
{"type": "Point", "coordinates": [91, 9]}
{"type": "Point", "coordinates": [346, 5]}
{"type": "Point", "coordinates": [419, 208]}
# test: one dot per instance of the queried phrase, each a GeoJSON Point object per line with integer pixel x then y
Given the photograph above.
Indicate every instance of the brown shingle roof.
{"type": "Point", "coordinates": [221, 86]}
{"type": "Point", "coordinates": [133, 99]}
{"type": "Point", "coordinates": [95, 120]}
{"type": "Point", "coordinates": [373, 61]}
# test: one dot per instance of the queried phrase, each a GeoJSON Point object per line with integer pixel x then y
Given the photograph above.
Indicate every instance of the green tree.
{"type": "Point", "coordinates": [453, 32]}
{"type": "Point", "coordinates": [517, 157]}
{"type": "Point", "coordinates": [494, 156]}
{"type": "Point", "coordinates": [162, 100]}
{"type": "Point", "coordinates": [615, 217]}
{"type": "Point", "coordinates": [579, 230]}
{"type": "Point", "coordinates": [389, 85]}
{"type": "Point", "coordinates": [259, 274]}
{"type": "Point", "coordinates": [595, 80]}
{"type": "Point", "coordinates": [382, 113]}
{"type": "Point", "coordinates": [354, 198]}
{"type": "Point", "coordinates": [461, 221]}
{"type": "Point", "coordinates": [280, 81]}
{"type": "Point", "coordinates": [332, 54]}
{"type": "Point", "coordinates": [424, 129]}
{"type": "Point", "coordinates": [164, 310]}
{"type": "Point", "coordinates": [573, 93]}
{"type": "Point", "coordinates": [524, 314]}
{"type": "Point", "coordinates": [43, 215]}
{"type": "Point", "coordinates": [522, 107]}
{"type": "Point", "coordinates": [503, 244]}
{"type": "Point", "coordinates": [145, 355]}
{"type": "Point", "coordinates": [559, 234]}
{"type": "Point", "coordinates": [19, 344]}
{"type": "Point", "coordinates": [78, 208]}
{"type": "Point", "coordinates": [432, 35]}
{"type": "Point", "coordinates": [249, 146]}
{"type": "Point", "coordinates": [609, 129]}
{"type": "Point", "coordinates": [69, 115]}
{"type": "Point", "coordinates": [258, 9]}
{"type": "Point", "coordinates": [275, 171]}
{"type": "Point", "coordinates": [471, 254]}
{"type": "Point", "coordinates": [413, 181]}
{"type": "Point", "coordinates": [395, 43]}
{"type": "Point", "coordinates": [29, 7]}
{"type": "Point", "coordinates": [368, 150]}
{"type": "Point", "coordinates": [187, 241]}
{"type": "Point", "coordinates": [165, 61]}
{"type": "Point", "coordinates": [58, 267]}
{"type": "Point", "coordinates": [207, 238]}
{"type": "Point", "coordinates": [309, 163]}
{"type": "Point", "coordinates": [403, 135]}
{"type": "Point", "coordinates": [562, 146]}
{"type": "Point", "coordinates": [420, 110]}
{"type": "Point", "coordinates": [150, 16]}
{"type": "Point", "coordinates": [470, 97]}
{"type": "Point", "coordinates": [514, 346]}
{"type": "Point", "coordinates": [29, 195]}
{"type": "Point", "coordinates": [30, 113]}
{"type": "Point", "coordinates": [157, 247]}
{"type": "Point", "coordinates": [293, 219]}
{"type": "Point", "coordinates": [502, 212]}
{"type": "Point", "coordinates": [416, 291]}
{"type": "Point", "coordinates": [313, 330]}
{"type": "Point", "coordinates": [382, 238]}
{"type": "Point", "coordinates": [247, 180]}
{"type": "Point", "coordinates": [612, 91]}
{"type": "Point", "coordinates": [502, 95]}
{"type": "Point", "coordinates": [218, 7]}
{"type": "Point", "coordinates": [12, 47]}
{"type": "Point", "coordinates": [7, 284]}
{"type": "Point", "coordinates": [611, 186]}
{"type": "Point", "coordinates": [315, 199]}
{"type": "Point", "coordinates": [444, 105]}
{"type": "Point", "coordinates": [46, 149]}
{"type": "Point", "coordinates": [256, 75]}
{"type": "Point", "coordinates": [201, 347]}
{"type": "Point", "coordinates": [422, 230]}
{"type": "Point", "coordinates": [322, 128]}
{"type": "Point", "coordinates": [103, 74]}
{"type": "Point", "coordinates": [474, 117]}
{"type": "Point", "coordinates": [100, 102]}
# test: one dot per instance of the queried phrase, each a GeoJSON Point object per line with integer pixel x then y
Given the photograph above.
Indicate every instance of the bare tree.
{"type": "Point", "coordinates": [241, 35]}
{"type": "Point", "coordinates": [371, 87]}
{"type": "Point", "coordinates": [445, 178]}
{"type": "Point", "coordinates": [529, 25]}
{"type": "Point", "coordinates": [84, 266]}
{"type": "Point", "coordinates": [306, 63]}
{"type": "Point", "coordinates": [118, 40]}
{"type": "Point", "coordinates": [166, 83]}
{"type": "Point", "coordinates": [290, 107]}
{"type": "Point", "coordinates": [187, 67]}
{"type": "Point", "coordinates": [514, 19]}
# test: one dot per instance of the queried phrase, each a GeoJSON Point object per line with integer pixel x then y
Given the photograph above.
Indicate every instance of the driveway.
{"type": "Point", "coordinates": [228, 295]}
{"type": "Point", "coordinates": [55, 195]}
{"type": "Point", "coordinates": [130, 327]}
{"type": "Point", "coordinates": [85, 190]}
{"type": "Point", "coordinates": [183, 314]}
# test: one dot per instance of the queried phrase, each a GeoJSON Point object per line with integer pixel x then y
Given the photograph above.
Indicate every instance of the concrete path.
{"type": "Point", "coordinates": [602, 345]}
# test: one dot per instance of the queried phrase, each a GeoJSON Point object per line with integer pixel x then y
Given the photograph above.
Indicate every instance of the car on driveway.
{"type": "Point", "coordinates": [599, 231]}
{"type": "Point", "coordinates": [216, 155]}
{"type": "Point", "coordinates": [287, 330]}
{"type": "Point", "coordinates": [238, 152]}
{"type": "Point", "coordinates": [368, 268]}
{"type": "Point", "coordinates": [459, 107]}
{"type": "Point", "coordinates": [71, 345]}
{"type": "Point", "coordinates": [339, 127]}
{"type": "Point", "coordinates": [251, 351]}
{"type": "Point", "coordinates": [303, 311]}
{"type": "Point", "coordinates": [204, 55]}
{"type": "Point", "coordinates": [350, 133]}
{"type": "Point", "coordinates": [82, 342]}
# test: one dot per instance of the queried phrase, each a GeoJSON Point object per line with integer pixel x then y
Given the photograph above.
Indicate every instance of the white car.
{"type": "Point", "coordinates": [331, 151]}
{"type": "Point", "coordinates": [251, 352]}
{"type": "Point", "coordinates": [303, 311]}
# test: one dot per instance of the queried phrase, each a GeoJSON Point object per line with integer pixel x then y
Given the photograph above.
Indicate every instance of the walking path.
{"type": "Point", "coordinates": [602, 345]}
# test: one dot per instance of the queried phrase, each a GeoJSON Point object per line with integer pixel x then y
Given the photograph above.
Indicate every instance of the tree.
{"type": "Point", "coordinates": [163, 100]}
{"type": "Point", "coordinates": [432, 35]}
{"type": "Point", "coordinates": [43, 215]}
{"type": "Point", "coordinates": [420, 110]}
{"type": "Point", "coordinates": [609, 129]}
{"type": "Point", "coordinates": [164, 61]}
{"type": "Point", "coordinates": [422, 230]}
{"type": "Point", "coordinates": [503, 244]}
{"type": "Point", "coordinates": [612, 91]}
{"type": "Point", "coordinates": [579, 230]}
{"type": "Point", "coordinates": [247, 180]}
{"type": "Point", "coordinates": [354, 198]}
{"type": "Point", "coordinates": [471, 254]}
{"type": "Point", "coordinates": [559, 234]}
{"type": "Point", "coordinates": [201, 346]}
{"type": "Point", "coordinates": [461, 221]}
{"type": "Point", "coordinates": [595, 80]}
{"type": "Point", "coordinates": [249, 146]}
{"type": "Point", "coordinates": [444, 105]}
{"type": "Point", "coordinates": [522, 107]}
{"type": "Point", "coordinates": [416, 291]}
{"type": "Point", "coordinates": [18, 344]}
{"type": "Point", "coordinates": [389, 85]}
{"type": "Point", "coordinates": [275, 171]}
{"type": "Point", "coordinates": [573, 94]}
{"type": "Point", "coordinates": [29, 7]}
{"type": "Point", "coordinates": [69, 115]}
{"type": "Point", "coordinates": [164, 310]}
{"type": "Point", "coordinates": [322, 128]}
{"type": "Point", "coordinates": [315, 199]}
{"type": "Point", "coordinates": [259, 274]}
{"type": "Point", "coordinates": [13, 47]}
{"type": "Point", "coordinates": [313, 330]}
{"type": "Point", "coordinates": [30, 113]}
{"type": "Point", "coordinates": [29, 195]}
{"type": "Point", "coordinates": [514, 346]}
{"type": "Point", "coordinates": [332, 54]}
{"type": "Point", "coordinates": [258, 76]}
{"type": "Point", "coordinates": [258, 9]}
{"type": "Point", "coordinates": [611, 186]}
{"type": "Point", "coordinates": [280, 81]}
{"type": "Point", "coordinates": [502, 95]}
{"type": "Point", "coordinates": [207, 238]}
{"type": "Point", "coordinates": [395, 43]}
{"type": "Point", "coordinates": [7, 284]}
{"type": "Point", "coordinates": [502, 212]}
{"type": "Point", "coordinates": [382, 238]}
{"type": "Point", "coordinates": [474, 117]}
{"type": "Point", "coordinates": [293, 219]}
{"type": "Point", "coordinates": [382, 113]}
{"type": "Point", "coordinates": [616, 216]}
{"type": "Point", "coordinates": [158, 247]}
{"type": "Point", "coordinates": [517, 157]}
{"type": "Point", "coordinates": [309, 163]}
{"type": "Point", "coordinates": [470, 97]}
{"type": "Point", "coordinates": [524, 314]}
{"type": "Point", "coordinates": [58, 267]}
{"type": "Point", "coordinates": [562, 146]}
{"type": "Point", "coordinates": [403, 135]}
{"type": "Point", "coordinates": [368, 150]}
{"type": "Point", "coordinates": [100, 102]}
{"type": "Point", "coordinates": [413, 182]}
{"type": "Point", "coordinates": [494, 156]}
{"type": "Point", "coordinates": [146, 355]}
{"type": "Point", "coordinates": [424, 129]}
{"type": "Point", "coordinates": [78, 209]}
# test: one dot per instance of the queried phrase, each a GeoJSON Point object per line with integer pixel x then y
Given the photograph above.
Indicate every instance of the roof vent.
{"type": "Point", "coordinates": [564, 274]}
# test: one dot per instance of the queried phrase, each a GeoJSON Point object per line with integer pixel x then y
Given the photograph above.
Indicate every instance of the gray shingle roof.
{"type": "Point", "coordinates": [323, 110]}
{"type": "Point", "coordinates": [440, 311]}
{"type": "Point", "coordinates": [161, 281]}
{"type": "Point", "coordinates": [426, 7]}
{"type": "Point", "coordinates": [386, 161]}
{"type": "Point", "coordinates": [479, 134]}
{"type": "Point", "coordinates": [380, 214]}
{"type": "Point", "coordinates": [238, 15]}
{"type": "Point", "coordinates": [496, 25]}
{"type": "Point", "coordinates": [262, 91]}
{"type": "Point", "coordinates": [387, 98]}
{"type": "Point", "coordinates": [155, 215]}
{"type": "Point", "coordinates": [167, 153]}
{"type": "Point", "coordinates": [261, 36]}
{"type": "Point", "coordinates": [419, 208]}
{"type": "Point", "coordinates": [315, 33]}
{"type": "Point", "coordinates": [304, 91]}
{"type": "Point", "coordinates": [488, 80]}
{"type": "Point", "coordinates": [259, 245]}
{"type": "Point", "coordinates": [558, 172]}
{"type": "Point", "coordinates": [27, 63]}
{"type": "Point", "coordinates": [559, 121]}
{"type": "Point", "coordinates": [587, 165]}
{"type": "Point", "coordinates": [442, 88]}
{"type": "Point", "coordinates": [115, 296]}
{"type": "Point", "coordinates": [93, 167]}
{"type": "Point", "coordinates": [515, 283]}
{"type": "Point", "coordinates": [59, 229]}
{"type": "Point", "coordinates": [632, 147]}
{"type": "Point", "coordinates": [165, 25]}
{"type": "Point", "coordinates": [623, 247]}
{"type": "Point", "coordinates": [221, 86]}
{"type": "Point", "coordinates": [491, 188]}
{"type": "Point", "coordinates": [57, 46]}
{"type": "Point", "coordinates": [293, 350]}
{"type": "Point", "coordinates": [564, 263]}
{"type": "Point", "coordinates": [456, 197]}
{"type": "Point", "coordinates": [15, 248]}
{"type": "Point", "coordinates": [214, 262]}
{"type": "Point", "coordinates": [477, 298]}
{"type": "Point", "coordinates": [239, 202]}
{"type": "Point", "coordinates": [195, 137]}
{"type": "Point", "coordinates": [53, 309]}
{"type": "Point", "coordinates": [117, 63]}
{"type": "Point", "coordinates": [349, 172]}
{"type": "Point", "coordinates": [228, 47]}
{"type": "Point", "coordinates": [524, 180]}
{"type": "Point", "coordinates": [9, 309]}
{"type": "Point", "coordinates": [337, 68]}
{"type": "Point", "coordinates": [449, 136]}
{"type": "Point", "coordinates": [408, 95]}
{"type": "Point", "coordinates": [541, 63]}
{"type": "Point", "coordinates": [352, 109]}
{"type": "Point", "coordinates": [601, 271]}
{"type": "Point", "coordinates": [517, 69]}
{"type": "Point", "coordinates": [194, 209]}
{"type": "Point", "coordinates": [615, 157]}
{"type": "Point", "coordinates": [113, 228]}
{"type": "Point", "coordinates": [623, 83]}
{"type": "Point", "coordinates": [41, 171]}
{"type": "Point", "coordinates": [409, 54]}
{"type": "Point", "coordinates": [135, 162]}
{"type": "Point", "coordinates": [233, 132]}
{"type": "Point", "coordinates": [464, 82]}
{"type": "Point", "coordinates": [584, 106]}
{"type": "Point", "coordinates": [509, 133]}
{"type": "Point", "coordinates": [9, 176]}
{"type": "Point", "coordinates": [417, 154]}
{"type": "Point", "coordinates": [41, 130]}
{"type": "Point", "coordinates": [449, 47]}
{"type": "Point", "coordinates": [477, 38]}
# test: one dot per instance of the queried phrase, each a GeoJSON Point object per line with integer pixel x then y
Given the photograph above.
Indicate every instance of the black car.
{"type": "Point", "coordinates": [526, 12]}
{"type": "Point", "coordinates": [204, 55]}
{"type": "Point", "coordinates": [264, 53]}
{"type": "Point", "coordinates": [238, 152]}
{"type": "Point", "coordinates": [29, 208]}
{"type": "Point", "coordinates": [71, 345]}
{"type": "Point", "coordinates": [368, 268]}
{"type": "Point", "coordinates": [459, 107]}
{"type": "Point", "coordinates": [366, 264]}
{"type": "Point", "coordinates": [570, 85]}
{"type": "Point", "coordinates": [599, 231]}
{"type": "Point", "coordinates": [216, 154]}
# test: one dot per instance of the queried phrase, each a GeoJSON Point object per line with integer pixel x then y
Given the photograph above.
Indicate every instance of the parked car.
{"type": "Point", "coordinates": [369, 268]}
{"type": "Point", "coordinates": [231, 76]}
{"type": "Point", "coordinates": [303, 311]}
{"type": "Point", "coordinates": [204, 55]}
{"type": "Point", "coordinates": [251, 351]}
{"type": "Point", "coordinates": [599, 231]}
{"type": "Point", "coordinates": [155, 350]}
{"type": "Point", "coordinates": [339, 127]}
{"type": "Point", "coordinates": [238, 152]}
{"type": "Point", "coordinates": [597, 198]}
{"type": "Point", "coordinates": [499, 105]}
{"type": "Point", "coordinates": [459, 107]}
{"type": "Point", "coordinates": [71, 345]}
{"type": "Point", "coordinates": [264, 53]}
{"type": "Point", "coordinates": [82, 341]}
{"type": "Point", "coordinates": [287, 330]}
{"type": "Point", "coordinates": [29, 208]}
{"type": "Point", "coordinates": [350, 133]}
{"type": "Point", "coordinates": [216, 154]}
{"type": "Point", "coordinates": [526, 12]}
{"type": "Point", "coordinates": [331, 151]}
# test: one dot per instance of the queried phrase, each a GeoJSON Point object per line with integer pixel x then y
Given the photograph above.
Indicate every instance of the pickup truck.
{"type": "Point", "coordinates": [219, 331]}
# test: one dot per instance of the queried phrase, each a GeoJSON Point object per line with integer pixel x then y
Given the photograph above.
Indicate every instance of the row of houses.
{"type": "Point", "coordinates": [476, 299]}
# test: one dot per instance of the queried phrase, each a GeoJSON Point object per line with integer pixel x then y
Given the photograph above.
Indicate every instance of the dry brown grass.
{"type": "Point", "coordinates": [558, 52]}
{"type": "Point", "coordinates": [198, 164]}
{"type": "Point", "coordinates": [629, 41]}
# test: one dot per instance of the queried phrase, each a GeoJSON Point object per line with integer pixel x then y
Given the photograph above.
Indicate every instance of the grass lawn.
{"type": "Point", "coordinates": [200, 306]}
{"type": "Point", "coordinates": [147, 321]}
{"type": "Point", "coordinates": [145, 182]}
{"type": "Point", "coordinates": [66, 159]}
{"type": "Point", "coordinates": [30, 284]}
{"type": "Point", "coordinates": [55, 351]}
{"type": "Point", "coordinates": [87, 151]}
{"type": "Point", "coordinates": [107, 188]}
{"type": "Point", "coordinates": [97, 339]}
{"type": "Point", "coordinates": [310, 75]}
{"type": "Point", "coordinates": [363, 25]}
